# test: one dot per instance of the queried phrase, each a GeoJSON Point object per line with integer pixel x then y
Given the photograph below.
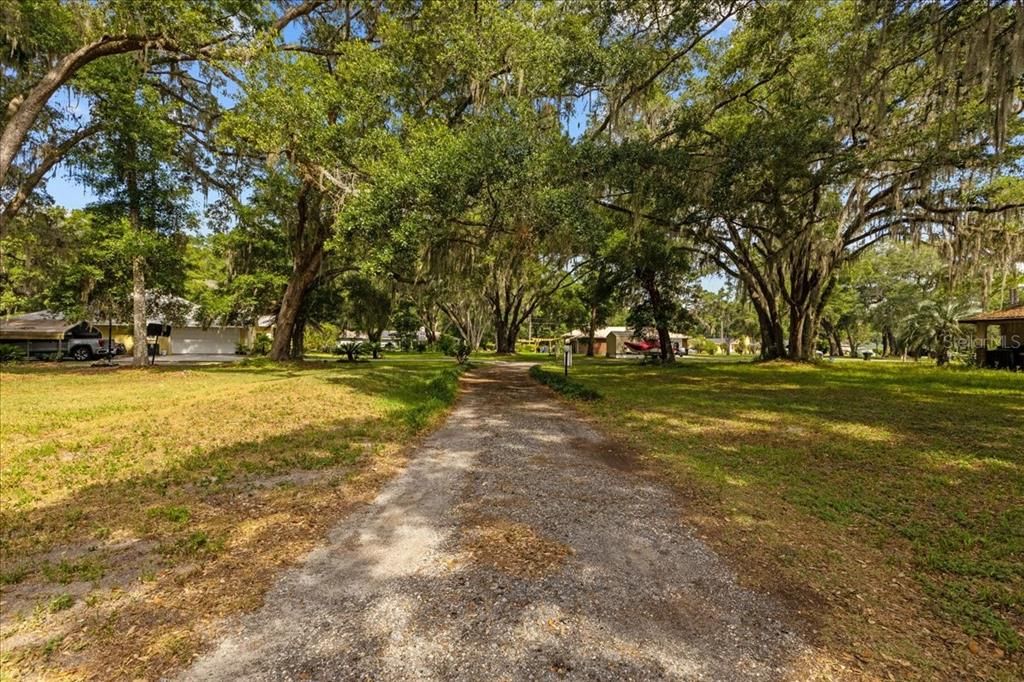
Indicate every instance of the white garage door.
{"type": "Point", "coordinates": [207, 341]}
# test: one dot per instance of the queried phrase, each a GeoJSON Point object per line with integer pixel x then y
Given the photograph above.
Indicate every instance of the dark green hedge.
{"type": "Point", "coordinates": [563, 384]}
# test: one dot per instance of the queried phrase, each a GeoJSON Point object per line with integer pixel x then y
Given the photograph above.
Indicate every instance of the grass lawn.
{"type": "Point", "coordinates": [885, 501]}
{"type": "Point", "coordinates": [143, 506]}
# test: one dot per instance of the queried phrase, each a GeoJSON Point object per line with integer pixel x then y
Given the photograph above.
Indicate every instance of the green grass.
{"type": "Point", "coordinates": [198, 483]}
{"type": "Point", "coordinates": [846, 473]}
{"type": "Point", "coordinates": [563, 384]}
{"type": "Point", "coordinates": [61, 602]}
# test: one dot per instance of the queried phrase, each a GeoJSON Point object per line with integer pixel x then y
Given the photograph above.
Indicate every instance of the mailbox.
{"type": "Point", "coordinates": [157, 329]}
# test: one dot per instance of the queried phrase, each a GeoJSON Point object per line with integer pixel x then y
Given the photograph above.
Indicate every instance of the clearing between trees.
{"type": "Point", "coordinates": [518, 544]}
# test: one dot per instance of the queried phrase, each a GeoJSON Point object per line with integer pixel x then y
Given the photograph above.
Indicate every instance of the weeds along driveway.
{"type": "Point", "coordinates": [516, 545]}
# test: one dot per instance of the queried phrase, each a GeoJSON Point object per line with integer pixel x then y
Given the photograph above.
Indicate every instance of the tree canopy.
{"type": "Point", "coordinates": [484, 160]}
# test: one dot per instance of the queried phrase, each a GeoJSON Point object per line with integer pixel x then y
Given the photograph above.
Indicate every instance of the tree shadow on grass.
{"type": "Point", "coordinates": [925, 465]}
{"type": "Point", "coordinates": [162, 554]}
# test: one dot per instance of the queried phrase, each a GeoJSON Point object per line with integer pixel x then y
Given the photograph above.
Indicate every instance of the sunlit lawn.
{"type": "Point", "coordinates": [140, 506]}
{"type": "Point", "coordinates": [886, 499]}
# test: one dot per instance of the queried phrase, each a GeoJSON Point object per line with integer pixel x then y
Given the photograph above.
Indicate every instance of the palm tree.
{"type": "Point", "coordinates": [934, 326]}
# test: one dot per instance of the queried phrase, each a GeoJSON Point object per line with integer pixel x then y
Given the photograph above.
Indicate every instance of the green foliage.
{"type": "Point", "coordinates": [323, 338]}
{"type": "Point", "coordinates": [173, 513]}
{"type": "Point", "coordinates": [351, 349]}
{"type": "Point", "coordinates": [61, 602]}
{"type": "Point", "coordinates": [9, 353]}
{"type": "Point", "coordinates": [700, 344]}
{"type": "Point", "coordinates": [440, 392]}
{"type": "Point", "coordinates": [454, 347]}
{"type": "Point", "coordinates": [569, 388]}
{"type": "Point", "coordinates": [66, 572]}
{"type": "Point", "coordinates": [261, 344]}
{"type": "Point", "coordinates": [13, 575]}
{"type": "Point", "coordinates": [935, 327]}
{"type": "Point", "coordinates": [865, 453]}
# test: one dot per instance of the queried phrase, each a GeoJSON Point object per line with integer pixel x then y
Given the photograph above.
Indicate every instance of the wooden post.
{"type": "Point", "coordinates": [980, 342]}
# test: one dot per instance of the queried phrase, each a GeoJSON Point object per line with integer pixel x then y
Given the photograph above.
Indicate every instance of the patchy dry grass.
{"type": "Point", "coordinates": [885, 500]}
{"type": "Point", "coordinates": [513, 548]}
{"type": "Point", "coordinates": [143, 506]}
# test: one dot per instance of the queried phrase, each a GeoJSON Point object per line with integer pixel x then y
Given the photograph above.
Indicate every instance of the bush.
{"type": "Point", "coordinates": [460, 352]}
{"type": "Point", "coordinates": [701, 344]}
{"type": "Point", "coordinates": [261, 344]}
{"type": "Point", "coordinates": [9, 353]}
{"type": "Point", "coordinates": [352, 349]}
{"type": "Point", "coordinates": [563, 384]}
{"type": "Point", "coordinates": [454, 348]}
{"type": "Point", "coordinates": [445, 343]}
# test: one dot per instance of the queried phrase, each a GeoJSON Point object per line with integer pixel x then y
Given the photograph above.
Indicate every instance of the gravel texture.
{"type": "Point", "coordinates": [515, 546]}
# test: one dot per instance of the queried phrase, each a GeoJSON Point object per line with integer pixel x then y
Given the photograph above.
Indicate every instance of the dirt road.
{"type": "Point", "coordinates": [516, 545]}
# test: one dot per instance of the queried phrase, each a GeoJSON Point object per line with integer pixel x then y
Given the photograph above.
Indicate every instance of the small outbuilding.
{"type": "Point", "coordinates": [1005, 348]}
{"type": "Point", "coordinates": [44, 333]}
{"type": "Point", "coordinates": [616, 338]}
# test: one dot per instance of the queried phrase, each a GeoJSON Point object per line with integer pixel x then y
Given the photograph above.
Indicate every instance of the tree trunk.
{"type": "Point", "coordinates": [374, 338]}
{"type": "Point", "coordinates": [803, 331]}
{"type": "Point", "coordinates": [505, 335]}
{"type": "Point", "coordinates": [307, 257]}
{"type": "Point", "coordinates": [773, 336]}
{"type": "Point", "coordinates": [304, 273]}
{"type": "Point", "coordinates": [429, 319]}
{"type": "Point", "coordinates": [298, 345]}
{"type": "Point", "coordinates": [591, 331]}
{"type": "Point", "coordinates": [835, 347]}
{"type": "Point", "coordinates": [665, 342]}
{"type": "Point", "coordinates": [139, 349]}
{"type": "Point", "coordinates": [650, 285]}
{"type": "Point", "coordinates": [507, 322]}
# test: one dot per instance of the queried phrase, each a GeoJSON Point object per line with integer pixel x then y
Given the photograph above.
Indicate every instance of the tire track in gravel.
{"type": "Point", "coordinates": [514, 546]}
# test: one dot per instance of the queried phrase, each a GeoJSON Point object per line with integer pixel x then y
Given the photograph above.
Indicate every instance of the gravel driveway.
{"type": "Point", "coordinates": [515, 546]}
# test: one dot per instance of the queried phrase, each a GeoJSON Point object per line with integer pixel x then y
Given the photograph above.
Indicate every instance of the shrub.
{"type": "Point", "coordinates": [454, 348]}
{"type": "Point", "coordinates": [352, 349]}
{"type": "Point", "coordinates": [704, 345]}
{"type": "Point", "coordinates": [261, 344]}
{"type": "Point", "coordinates": [563, 384]}
{"type": "Point", "coordinates": [9, 353]}
{"type": "Point", "coordinates": [445, 343]}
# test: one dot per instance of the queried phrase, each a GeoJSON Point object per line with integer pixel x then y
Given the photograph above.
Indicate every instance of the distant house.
{"type": "Point", "coordinates": [45, 333]}
{"type": "Point", "coordinates": [580, 340]}
{"type": "Point", "coordinates": [610, 341]}
{"type": "Point", "coordinates": [188, 333]}
{"type": "Point", "coordinates": [1006, 349]}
